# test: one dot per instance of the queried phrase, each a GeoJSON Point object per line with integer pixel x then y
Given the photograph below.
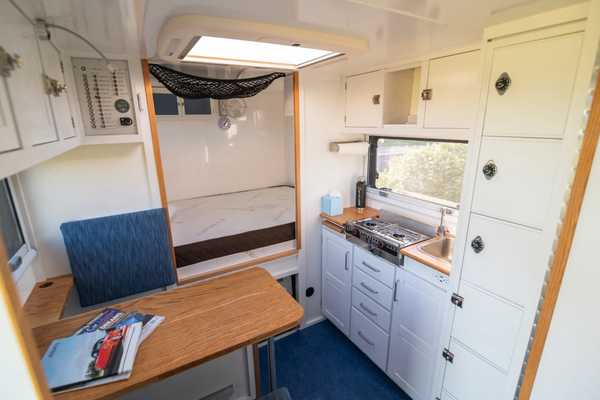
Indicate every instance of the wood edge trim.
{"type": "Point", "coordinates": [22, 330]}
{"type": "Point", "coordinates": [297, 154]}
{"type": "Point", "coordinates": [157, 157]}
{"type": "Point", "coordinates": [332, 226]}
{"type": "Point", "coordinates": [565, 242]}
{"type": "Point", "coordinates": [237, 267]}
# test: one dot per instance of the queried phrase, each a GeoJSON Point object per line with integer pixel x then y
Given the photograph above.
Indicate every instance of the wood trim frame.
{"type": "Point", "coordinates": [162, 186]}
{"type": "Point", "coordinates": [157, 159]}
{"type": "Point", "coordinates": [21, 329]}
{"type": "Point", "coordinates": [565, 241]}
{"type": "Point", "coordinates": [297, 166]}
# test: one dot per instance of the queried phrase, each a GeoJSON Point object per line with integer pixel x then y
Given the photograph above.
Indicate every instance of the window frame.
{"type": "Point", "coordinates": [27, 252]}
{"type": "Point", "coordinates": [415, 201]}
{"type": "Point", "coordinates": [181, 107]}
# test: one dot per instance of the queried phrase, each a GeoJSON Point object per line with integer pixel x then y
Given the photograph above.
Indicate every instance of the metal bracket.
{"type": "Point", "coordinates": [41, 29]}
{"type": "Point", "coordinates": [457, 300]}
{"type": "Point", "coordinates": [53, 87]}
{"type": "Point", "coordinates": [448, 355]}
{"type": "Point", "coordinates": [8, 62]}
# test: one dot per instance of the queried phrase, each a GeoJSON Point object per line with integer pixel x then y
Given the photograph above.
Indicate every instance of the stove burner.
{"type": "Point", "coordinates": [399, 235]}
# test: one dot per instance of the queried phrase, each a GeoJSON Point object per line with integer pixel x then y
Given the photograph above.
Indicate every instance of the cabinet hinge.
{"type": "Point", "coordinates": [8, 62]}
{"type": "Point", "coordinates": [73, 122]}
{"type": "Point", "coordinates": [448, 355]}
{"type": "Point", "coordinates": [62, 67]}
{"type": "Point", "coordinates": [346, 86]}
{"type": "Point", "coordinates": [344, 119]}
{"type": "Point", "coordinates": [457, 300]}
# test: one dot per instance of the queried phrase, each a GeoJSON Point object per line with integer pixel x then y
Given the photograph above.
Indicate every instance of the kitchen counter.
{"type": "Point", "coordinates": [350, 214]}
{"type": "Point", "coordinates": [416, 254]}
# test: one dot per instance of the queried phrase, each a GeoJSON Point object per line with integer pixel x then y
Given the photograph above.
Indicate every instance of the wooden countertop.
{"type": "Point", "coordinates": [349, 214]}
{"type": "Point", "coordinates": [431, 261]}
{"type": "Point", "coordinates": [47, 300]}
{"type": "Point", "coordinates": [203, 321]}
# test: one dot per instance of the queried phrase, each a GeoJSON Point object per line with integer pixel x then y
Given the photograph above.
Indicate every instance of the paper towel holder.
{"type": "Point", "coordinates": [338, 147]}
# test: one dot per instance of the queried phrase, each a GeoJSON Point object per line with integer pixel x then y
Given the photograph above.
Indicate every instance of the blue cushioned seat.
{"type": "Point", "coordinates": [119, 255]}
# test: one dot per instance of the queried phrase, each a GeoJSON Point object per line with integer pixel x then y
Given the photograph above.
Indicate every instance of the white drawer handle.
{"type": "Point", "coordinates": [365, 339]}
{"type": "Point", "coordinates": [372, 268]}
{"type": "Point", "coordinates": [368, 310]}
{"type": "Point", "coordinates": [370, 289]}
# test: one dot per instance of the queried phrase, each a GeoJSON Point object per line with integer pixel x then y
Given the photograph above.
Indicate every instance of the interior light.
{"type": "Point", "coordinates": [214, 50]}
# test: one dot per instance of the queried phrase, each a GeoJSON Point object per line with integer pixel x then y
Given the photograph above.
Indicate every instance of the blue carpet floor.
{"type": "Point", "coordinates": [320, 363]}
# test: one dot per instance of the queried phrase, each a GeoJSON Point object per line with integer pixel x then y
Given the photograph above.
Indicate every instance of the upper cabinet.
{"type": "Point", "coordinates": [364, 100]}
{"type": "Point", "coordinates": [450, 98]}
{"type": "Point", "coordinates": [438, 94]}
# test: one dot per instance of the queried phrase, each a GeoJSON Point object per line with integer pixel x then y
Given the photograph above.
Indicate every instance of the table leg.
{"type": "Point", "coordinates": [272, 366]}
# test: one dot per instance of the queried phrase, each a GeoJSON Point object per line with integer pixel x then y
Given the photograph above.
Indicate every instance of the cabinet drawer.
{"type": "Point", "coordinates": [515, 179]}
{"type": "Point", "coordinates": [376, 267]}
{"type": "Point", "coordinates": [511, 264]}
{"type": "Point", "coordinates": [371, 309]}
{"type": "Point", "coordinates": [369, 338]}
{"type": "Point", "coordinates": [469, 377]}
{"type": "Point", "coordinates": [372, 288]}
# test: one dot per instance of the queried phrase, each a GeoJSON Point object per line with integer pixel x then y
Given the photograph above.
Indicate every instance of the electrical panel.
{"type": "Point", "coordinates": [105, 96]}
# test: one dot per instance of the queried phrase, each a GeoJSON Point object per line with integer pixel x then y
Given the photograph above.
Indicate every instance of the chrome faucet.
{"type": "Point", "coordinates": [442, 230]}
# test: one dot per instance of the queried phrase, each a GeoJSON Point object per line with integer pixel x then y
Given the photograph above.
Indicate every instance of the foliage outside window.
{"type": "Point", "coordinates": [423, 168]}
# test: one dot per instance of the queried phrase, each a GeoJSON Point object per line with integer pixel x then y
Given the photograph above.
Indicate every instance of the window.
{"type": "Point", "coordinates": [167, 104]}
{"type": "Point", "coordinates": [12, 232]}
{"type": "Point", "coordinates": [431, 170]}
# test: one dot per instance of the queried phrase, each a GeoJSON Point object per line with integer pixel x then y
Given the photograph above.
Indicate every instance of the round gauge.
{"type": "Point", "coordinates": [122, 106]}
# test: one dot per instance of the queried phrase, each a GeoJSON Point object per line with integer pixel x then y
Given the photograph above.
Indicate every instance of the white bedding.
{"type": "Point", "coordinates": [211, 217]}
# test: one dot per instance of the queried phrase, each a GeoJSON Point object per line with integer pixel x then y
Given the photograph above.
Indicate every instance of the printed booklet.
{"type": "Point", "coordinates": [112, 318]}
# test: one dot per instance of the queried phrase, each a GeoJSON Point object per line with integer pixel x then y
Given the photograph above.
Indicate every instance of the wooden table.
{"type": "Point", "coordinates": [203, 321]}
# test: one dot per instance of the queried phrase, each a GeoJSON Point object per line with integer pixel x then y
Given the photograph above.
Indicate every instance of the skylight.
{"type": "Point", "coordinates": [214, 50]}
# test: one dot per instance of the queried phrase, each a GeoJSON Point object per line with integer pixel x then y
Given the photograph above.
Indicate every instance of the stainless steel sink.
{"type": "Point", "coordinates": [441, 248]}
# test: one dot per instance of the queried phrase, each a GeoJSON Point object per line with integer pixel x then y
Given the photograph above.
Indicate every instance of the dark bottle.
{"type": "Point", "coordinates": [361, 194]}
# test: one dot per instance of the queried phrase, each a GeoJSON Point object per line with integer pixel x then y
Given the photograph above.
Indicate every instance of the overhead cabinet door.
{"type": "Point", "coordinates": [364, 100]}
{"type": "Point", "coordinates": [454, 84]}
{"type": "Point", "coordinates": [531, 85]}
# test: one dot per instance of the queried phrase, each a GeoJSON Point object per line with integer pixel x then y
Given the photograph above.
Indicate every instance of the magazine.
{"type": "Point", "coordinates": [111, 318]}
{"type": "Point", "coordinates": [92, 358]}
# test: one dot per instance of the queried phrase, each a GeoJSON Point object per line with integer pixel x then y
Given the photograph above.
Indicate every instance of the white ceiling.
{"type": "Point", "coordinates": [391, 35]}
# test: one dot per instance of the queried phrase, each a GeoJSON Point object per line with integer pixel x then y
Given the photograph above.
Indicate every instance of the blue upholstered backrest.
{"type": "Point", "coordinates": [119, 255]}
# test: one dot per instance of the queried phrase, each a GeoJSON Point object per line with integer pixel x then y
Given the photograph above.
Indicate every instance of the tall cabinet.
{"type": "Point", "coordinates": [533, 95]}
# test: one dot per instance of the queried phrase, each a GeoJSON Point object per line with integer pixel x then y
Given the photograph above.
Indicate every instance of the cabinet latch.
{"type": "Point", "coordinates": [448, 355]}
{"type": "Point", "coordinates": [53, 87]}
{"type": "Point", "coordinates": [8, 62]}
{"type": "Point", "coordinates": [457, 300]}
{"type": "Point", "coordinates": [427, 94]}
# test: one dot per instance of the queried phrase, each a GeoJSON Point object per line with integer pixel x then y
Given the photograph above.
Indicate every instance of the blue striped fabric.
{"type": "Point", "coordinates": [119, 255]}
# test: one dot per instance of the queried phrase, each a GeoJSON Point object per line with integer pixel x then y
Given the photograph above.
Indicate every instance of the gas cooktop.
{"type": "Point", "coordinates": [383, 238]}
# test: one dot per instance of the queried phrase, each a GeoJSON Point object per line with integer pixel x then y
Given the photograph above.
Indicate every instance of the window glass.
{"type": "Point", "coordinates": [196, 106]}
{"type": "Point", "coordinates": [165, 104]}
{"type": "Point", "coordinates": [427, 169]}
{"type": "Point", "coordinates": [9, 222]}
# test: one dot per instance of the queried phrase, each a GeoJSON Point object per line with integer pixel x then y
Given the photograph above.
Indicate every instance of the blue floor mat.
{"type": "Point", "coordinates": [320, 363]}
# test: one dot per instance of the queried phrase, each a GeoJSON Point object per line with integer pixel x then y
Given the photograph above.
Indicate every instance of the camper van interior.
{"type": "Point", "coordinates": [299, 199]}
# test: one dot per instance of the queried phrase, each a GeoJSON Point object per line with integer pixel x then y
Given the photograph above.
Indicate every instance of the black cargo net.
{"type": "Point", "coordinates": [195, 87]}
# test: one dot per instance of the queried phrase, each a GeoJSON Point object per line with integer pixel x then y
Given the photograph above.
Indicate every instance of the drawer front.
{"type": "Point", "coordinates": [511, 263]}
{"type": "Point", "coordinates": [369, 338]}
{"type": "Point", "coordinates": [371, 309]}
{"type": "Point", "coordinates": [374, 266]}
{"type": "Point", "coordinates": [515, 179]}
{"type": "Point", "coordinates": [372, 288]}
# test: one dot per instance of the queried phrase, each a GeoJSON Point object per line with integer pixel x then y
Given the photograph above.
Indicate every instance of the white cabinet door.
{"type": "Point", "coordinates": [515, 179]}
{"type": "Point", "coordinates": [511, 263]}
{"type": "Point", "coordinates": [61, 108]}
{"type": "Point", "coordinates": [414, 340]}
{"type": "Point", "coordinates": [26, 91]}
{"type": "Point", "coordinates": [9, 137]}
{"type": "Point", "coordinates": [337, 279]}
{"type": "Point", "coordinates": [542, 74]}
{"type": "Point", "coordinates": [454, 82]}
{"type": "Point", "coordinates": [364, 100]}
{"type": "Point", "coordinates": [369, 338]}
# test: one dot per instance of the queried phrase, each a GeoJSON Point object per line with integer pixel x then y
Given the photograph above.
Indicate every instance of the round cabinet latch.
{"type": "Point", "coordinates": [502, 83]}
{"type": "Point", "coordinates": [489, 169]}
{"type": "Point", "coordinates": [122, 106]}
{"type": "Point", "coordinates": [477, 244]}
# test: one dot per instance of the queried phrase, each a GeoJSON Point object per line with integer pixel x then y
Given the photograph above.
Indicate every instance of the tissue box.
{"type": "Point", "coordinates": [331, 205]}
